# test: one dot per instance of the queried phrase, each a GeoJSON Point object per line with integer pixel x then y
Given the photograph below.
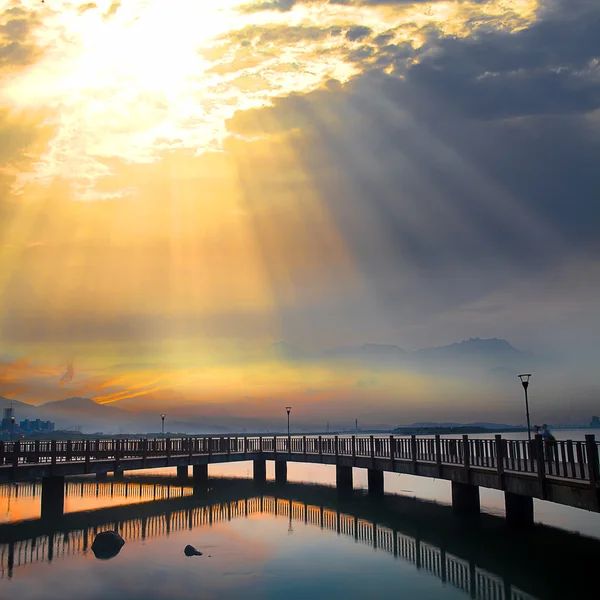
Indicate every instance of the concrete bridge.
{"type": "Point", "coordinates": [565, 472]}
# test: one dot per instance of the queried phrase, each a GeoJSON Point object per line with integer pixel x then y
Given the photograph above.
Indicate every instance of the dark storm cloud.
{"type": "Point", "coordinates": [479, 163]}
{"type": "Point", "coordinates": [358, 32]}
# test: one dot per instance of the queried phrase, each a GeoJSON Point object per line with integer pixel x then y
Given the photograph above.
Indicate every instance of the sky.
{"type": "Point", "coordinates": [183, 185]}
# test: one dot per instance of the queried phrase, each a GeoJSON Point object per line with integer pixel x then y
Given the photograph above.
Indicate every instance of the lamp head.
{"type": "Point", "coordinates": [163, 416]}
{"type": "Point", "coordinates": [525, 379]}
{"type": "Point", "coordinates": [288, 409]}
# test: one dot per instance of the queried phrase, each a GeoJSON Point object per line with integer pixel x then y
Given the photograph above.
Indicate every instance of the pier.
{"type": "Point", "coordinates": [565, 472]}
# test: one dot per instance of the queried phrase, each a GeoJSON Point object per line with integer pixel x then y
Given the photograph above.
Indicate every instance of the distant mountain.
{"type": "Point", "coordinates": [72, 413]}
{"type": "Point", "coordinates": [481, 424]}
{"type": "Point", "coordinates": [492, 347]}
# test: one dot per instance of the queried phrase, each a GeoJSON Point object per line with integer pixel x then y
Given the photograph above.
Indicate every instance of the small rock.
{"type": "Point", "coordinates": [191, 551]}
{"type": "Point", "coordinates": [107, 544]}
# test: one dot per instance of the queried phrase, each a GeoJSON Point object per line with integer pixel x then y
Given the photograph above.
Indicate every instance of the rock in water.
{"type": "Point", "coordinates": [107, 544]}
{"type": "Point", "coordinates": [191, 551]}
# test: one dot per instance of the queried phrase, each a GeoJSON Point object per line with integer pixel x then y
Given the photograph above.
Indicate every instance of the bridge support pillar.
{"type": "Point", "coordinates": [182, 472]}
{"type": "Point", "coordinates": [519, 509]}
{"type": "Point", "coordinates": [260, 470]}
{"type": "Point", "coordinates": [119, 474]}
{"type": "Point", "coordinates": [53, 497]}
{"type": "Point", "coordinates": [375, 481]}
{"type": "Point", "coordinates": [281, 471]}
{"type": "Point", "coordinates": [343, 478]}
{"type": "Point", "coordinates": [101, 476]}
{"type": "Point", "coordinates": [200, 474]}
{"type": "Point", "coordinates": [465, 499]}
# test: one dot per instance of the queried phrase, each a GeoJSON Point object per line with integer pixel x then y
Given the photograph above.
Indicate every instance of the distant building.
{"type": "Point", "coordinates": [595, 423]}
{"type": "Point", "coordinates": [23, 427]}
{"type": "Point", "coordinates": [7, 419]}
{"type": "Point", "coordinates": [36, 426]}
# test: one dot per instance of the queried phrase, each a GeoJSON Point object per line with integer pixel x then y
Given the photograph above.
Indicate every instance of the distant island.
{"type": "Point", "coordinates": [459, 430]}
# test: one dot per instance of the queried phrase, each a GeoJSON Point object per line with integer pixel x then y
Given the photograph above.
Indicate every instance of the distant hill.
{"type": "Point", "coordinates": [492, 347]}
{"type": "Point", "coordinates": [478, 424]}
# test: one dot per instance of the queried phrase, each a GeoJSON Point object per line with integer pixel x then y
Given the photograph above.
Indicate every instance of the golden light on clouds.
{"type": "Point", "coordinates": [132, 80]}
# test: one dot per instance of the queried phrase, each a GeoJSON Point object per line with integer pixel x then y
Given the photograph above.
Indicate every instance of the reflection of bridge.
{"type": "Point", "coordinates": [421, 533]}
{"type": "Point", "coordinates": [566, 472]}
{"type": "Point", "coordinates": [159, 489]}
{"type": "Point", "coordinates": [468, 577]}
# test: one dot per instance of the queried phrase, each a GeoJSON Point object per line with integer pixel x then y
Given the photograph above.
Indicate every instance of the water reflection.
{"type": "Point", "coordinates": [482, 559]}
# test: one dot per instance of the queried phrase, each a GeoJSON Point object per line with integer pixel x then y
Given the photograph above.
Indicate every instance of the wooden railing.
{"type": "Point", "coordinates": [563, 459]}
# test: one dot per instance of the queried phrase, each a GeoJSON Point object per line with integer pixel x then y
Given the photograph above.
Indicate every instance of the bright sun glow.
{"type": "Point", "coordinates": [131, 80]}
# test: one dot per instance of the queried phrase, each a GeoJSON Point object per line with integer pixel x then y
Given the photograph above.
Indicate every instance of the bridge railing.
{"type": "Point", "coordinates": [565, 458]}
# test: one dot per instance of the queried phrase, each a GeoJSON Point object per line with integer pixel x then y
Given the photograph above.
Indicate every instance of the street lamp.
{"type": "Point", "coordinates": [12, 428]}
{"type": "Point", "coordinates": [525, 381]}
{"type": "Point", "coordinates": [288, 409]}
{"type": "Point", "coordinates": [163, 423]}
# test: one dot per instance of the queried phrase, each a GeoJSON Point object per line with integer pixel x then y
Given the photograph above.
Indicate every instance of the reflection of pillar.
{"type": "Point", "coordinates": [519, 510]}
{"type": "Point", "coordinates": [53, 497]}
{"type": "Point", "coordinates": [11, 559]}
{"type": "Point", "coordinates": [260, 470]}
{"type": "Point", "coordinates": [281, 471]}
{"type": "Point", "coordinates": [444, 570]}
{"type": "Point", "coordinates": [50, 547]}
{"type": "Point", "coordinates": [144, 527]}
{"type": "Point", "coordinates": [200, 475]}
{"type": "Point", "coordinates": [465, 499]}
{"type": "Point", "coordinates": [343, 478]}
{"type": "Point", "coordinates": [375, 482]}
{"type": "Point", "coordinates": [472, 580]}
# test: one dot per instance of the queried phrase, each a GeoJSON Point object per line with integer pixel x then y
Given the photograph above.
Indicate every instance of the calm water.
{"type": "Point", "coordinates": [291, 541]}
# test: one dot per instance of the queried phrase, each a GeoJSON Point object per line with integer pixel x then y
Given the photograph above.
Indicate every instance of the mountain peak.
{"type": "Point", "coordinates": [73, 402]}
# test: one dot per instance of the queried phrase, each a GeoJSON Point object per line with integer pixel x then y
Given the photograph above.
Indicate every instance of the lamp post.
{"type": "Point", "coordinates": [12, 428]}
{"type": "Point", "coordinates": [525, 381]}
{"type": "Point", "coordinates": [163, 423]}
{"type": "Point", "coordinates": [288, 409]}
